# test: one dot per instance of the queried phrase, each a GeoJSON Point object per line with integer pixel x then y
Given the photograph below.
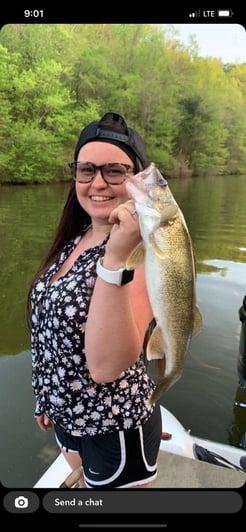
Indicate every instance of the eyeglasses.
{"type": "Point", "coordinates": [112, 173]}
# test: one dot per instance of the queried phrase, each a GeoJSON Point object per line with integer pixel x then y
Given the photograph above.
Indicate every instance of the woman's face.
{"type": "Point", "coordinates": [99, 198]}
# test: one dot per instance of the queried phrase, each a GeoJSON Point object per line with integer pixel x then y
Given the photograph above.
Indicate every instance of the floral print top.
{"type": "Point", "coordinates": [61, 380]}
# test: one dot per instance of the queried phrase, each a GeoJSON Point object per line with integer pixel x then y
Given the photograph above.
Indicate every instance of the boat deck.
{"type": "Point", "coordinates": [180, 472]}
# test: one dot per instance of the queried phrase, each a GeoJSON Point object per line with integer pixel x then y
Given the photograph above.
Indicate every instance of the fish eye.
{"type": "Point", "coordinates": [161, 180]}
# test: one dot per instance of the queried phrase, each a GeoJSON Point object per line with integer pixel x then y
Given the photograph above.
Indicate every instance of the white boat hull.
{"type": "Point", "coordinates": [184, 444]}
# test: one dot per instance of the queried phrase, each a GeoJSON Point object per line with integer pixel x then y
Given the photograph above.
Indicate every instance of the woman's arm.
{"type": "Point", "coordinates": [118, 315]}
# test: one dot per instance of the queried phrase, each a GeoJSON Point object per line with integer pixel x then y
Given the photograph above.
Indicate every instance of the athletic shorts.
{"type": "Point", "coordinates": [118, 459]}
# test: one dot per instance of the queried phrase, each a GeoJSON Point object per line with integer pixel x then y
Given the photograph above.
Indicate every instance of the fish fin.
{"type": "Point", "coordinates": [148, 211]}
{"type": "Point", "coordinates": [157, 250]}
{"type": "Point", "coordinates": [155, 347]}
{"type": "Point", "coordinates": [166, 217]}
{"type": "Point", "coordinates": [198, 322]}
{"type": "Point", "coordinates": [168, 213]}
{"type": "Point", "coordinates": [136, 257]}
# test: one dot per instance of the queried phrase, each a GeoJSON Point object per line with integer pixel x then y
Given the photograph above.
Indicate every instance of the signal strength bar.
{"type": "Point", "coordinates": [195, 14]}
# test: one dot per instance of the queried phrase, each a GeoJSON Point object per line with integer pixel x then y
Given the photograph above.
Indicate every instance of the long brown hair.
{"type": "Point", "coordinates": [74, 219]}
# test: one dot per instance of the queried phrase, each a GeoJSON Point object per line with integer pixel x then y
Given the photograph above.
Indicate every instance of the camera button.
{"type": "Point", "coordinates": [22, 502]}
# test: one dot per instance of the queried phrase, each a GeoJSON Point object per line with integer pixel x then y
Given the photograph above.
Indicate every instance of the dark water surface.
{"type": "Point", "coordinates": [203, 399]}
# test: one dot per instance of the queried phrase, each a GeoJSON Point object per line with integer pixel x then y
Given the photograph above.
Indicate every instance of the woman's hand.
{"type": "Point", "coordinates": [125, 233]}
{"type": "Point", "coordinates": [44, 422]}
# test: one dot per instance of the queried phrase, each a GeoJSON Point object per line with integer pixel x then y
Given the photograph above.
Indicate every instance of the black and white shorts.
{"type": "Point", "coordinates": [119, 459]}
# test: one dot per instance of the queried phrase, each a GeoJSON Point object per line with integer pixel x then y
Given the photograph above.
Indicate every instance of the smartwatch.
{"type": "Point", "coordinates": [119, 277]}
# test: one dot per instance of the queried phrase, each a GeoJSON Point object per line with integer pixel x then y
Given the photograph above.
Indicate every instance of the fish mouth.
{"type": "Point", "coordinates": [148, 181]}
{"type": "Point", "coordinates": [149, 189]}
{"type": "Point", "coordinates": [152, 176]}
{"type": "Point", "coordinates": [143, 190]}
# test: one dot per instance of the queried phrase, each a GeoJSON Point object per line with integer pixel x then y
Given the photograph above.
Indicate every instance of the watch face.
{"type": "Point", "coordinates": [127, 276]}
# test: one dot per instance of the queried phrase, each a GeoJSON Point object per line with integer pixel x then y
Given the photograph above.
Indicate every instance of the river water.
{"type": "Point", "coordinates": [203, 400]}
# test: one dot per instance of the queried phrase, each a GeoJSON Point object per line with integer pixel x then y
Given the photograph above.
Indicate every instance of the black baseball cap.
{"type": "Point", "coordinates": [112, 128]}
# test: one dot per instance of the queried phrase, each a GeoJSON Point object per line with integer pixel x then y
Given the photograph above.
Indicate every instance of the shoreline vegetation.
{"type": "Point", "coordinates": [55, 78]}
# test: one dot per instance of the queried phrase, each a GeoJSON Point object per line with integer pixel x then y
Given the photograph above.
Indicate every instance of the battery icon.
{"type": "Point", "coordinates": [225, 13]}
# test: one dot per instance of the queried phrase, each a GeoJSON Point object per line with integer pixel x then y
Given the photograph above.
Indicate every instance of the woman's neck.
{"type": "Point", "coordinates": [100, 231]}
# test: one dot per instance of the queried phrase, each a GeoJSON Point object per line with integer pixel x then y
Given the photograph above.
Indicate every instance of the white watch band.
{"type": "Point", "coordinates": [118, 277]}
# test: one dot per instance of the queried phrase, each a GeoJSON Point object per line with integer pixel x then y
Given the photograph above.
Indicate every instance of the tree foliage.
{"type": "Point", "coordinates": [55, 78]}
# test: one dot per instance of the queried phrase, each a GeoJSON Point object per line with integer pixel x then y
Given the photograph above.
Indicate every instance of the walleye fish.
{"type": "Point", "coordinates": [166, 251]}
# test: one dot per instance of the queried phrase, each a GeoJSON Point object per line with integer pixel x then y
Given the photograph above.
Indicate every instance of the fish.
{"type": "Point", "coordinates": [167, 254]}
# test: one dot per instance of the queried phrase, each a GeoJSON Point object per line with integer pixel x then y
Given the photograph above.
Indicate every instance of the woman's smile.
{"type": "Point", "coordinates": [100, 198]}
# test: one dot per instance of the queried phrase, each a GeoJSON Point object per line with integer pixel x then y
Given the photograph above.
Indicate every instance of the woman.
{"type": "Point", "coordinates": [89, 317]}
